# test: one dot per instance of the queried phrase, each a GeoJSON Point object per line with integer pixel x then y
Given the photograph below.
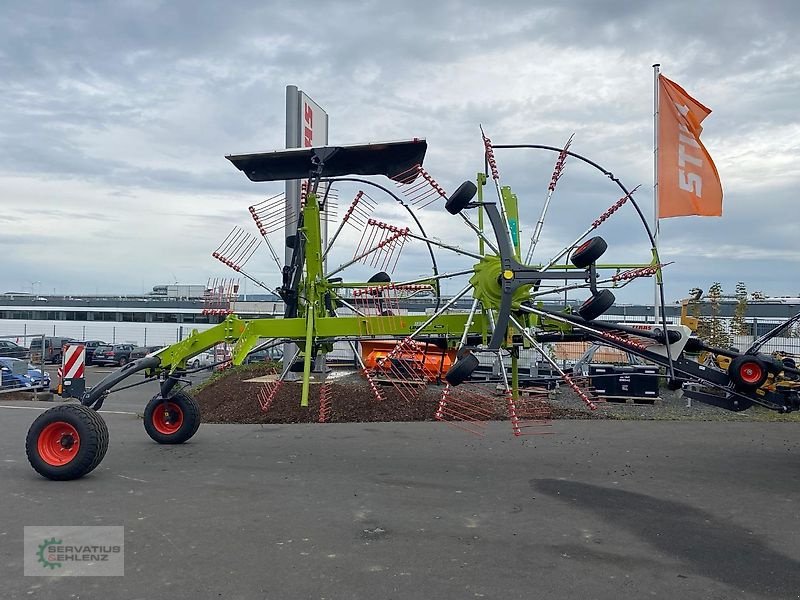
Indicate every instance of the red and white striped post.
{"type": "Point", "coordinates": [71, 374]}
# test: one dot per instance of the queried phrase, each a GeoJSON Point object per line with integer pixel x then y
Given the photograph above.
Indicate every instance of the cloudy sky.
{"type": "Point", "coordinates": [116, 117]}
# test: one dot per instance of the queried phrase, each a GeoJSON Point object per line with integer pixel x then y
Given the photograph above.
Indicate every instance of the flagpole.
{"type": "Point", "coordinates": [656, 71]}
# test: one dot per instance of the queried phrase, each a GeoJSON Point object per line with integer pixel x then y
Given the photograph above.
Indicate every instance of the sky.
{"type": "Point", "coordinates": [116, 118]}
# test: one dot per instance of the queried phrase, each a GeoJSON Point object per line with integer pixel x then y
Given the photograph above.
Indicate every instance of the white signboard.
{"type": "Point", "coordinates": [313, 125]}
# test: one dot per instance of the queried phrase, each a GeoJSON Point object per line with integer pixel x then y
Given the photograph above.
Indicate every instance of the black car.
{"type": "Point", "coordinates": [118, 355]}
{"type": "Point", "coordinates": [142, 351]}
{"type": "Point", "coordinates": [91, 346]}
{"type": "Point", "coordinates": [11, 350]}
{"type": "Point", "coordinates": [53, 347]}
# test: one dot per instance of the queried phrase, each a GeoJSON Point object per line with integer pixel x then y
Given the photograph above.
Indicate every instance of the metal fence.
{"type": "Point", "coordinates": [118, 333]}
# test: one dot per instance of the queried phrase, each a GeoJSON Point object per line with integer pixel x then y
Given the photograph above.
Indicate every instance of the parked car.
{"type": "Point", "coordinates": [19, 373]}
{"type": "Point", "coordinates": [52, 348]}
{"type": "Point", "coordinates": [215, 356]}
{"type": "Point", "coordinates": [273, 353]}
{"type": "Point", "coordinates": [117, 355]}
{"type": "Point", "coordinates": [142, 351]}
{"type": "Point", "coordinates": [204, 359]}
{"type": "Point", "coordinates": [91, 346]}
{"type": "Point", "coordinates": [8, 348]}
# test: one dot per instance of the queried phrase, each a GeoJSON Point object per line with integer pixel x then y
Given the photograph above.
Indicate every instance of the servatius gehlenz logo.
{"type": "Point", "coordinates": [45, 559]}
{"type": "Point", "coordinates": [74, 551]}
{"type": "Point", "coordinates": [54, 553]}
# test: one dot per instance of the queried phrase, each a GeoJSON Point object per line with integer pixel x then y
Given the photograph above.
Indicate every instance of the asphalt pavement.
{"type": "Point", "coordinates": [598, 509]}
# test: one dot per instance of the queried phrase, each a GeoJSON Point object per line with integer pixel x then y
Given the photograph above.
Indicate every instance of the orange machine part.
{"type": "Point", "coordinates": [433, 360]}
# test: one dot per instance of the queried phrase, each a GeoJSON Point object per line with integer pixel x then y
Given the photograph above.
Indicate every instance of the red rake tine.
{"type": "Point", "coordinates": [325, 399]}
{"type": "Point", "coordinates": [357, 251]}
{"type": "Point", "coordinates": [227, 244]}
{"type": "Point", "coordinates": [380, 248]}
{"type": "Point", "coordinates": [373, 229]}
{"type": "Point", "coordinates": [385, 253]}
{"type": "Point", "coordinates": [407, 176]}
{"type": "Point", "coordinates": [512, 413]}
{"type": "Point", "coordinates": [558, 169]}
{"type": "Point", "coordinates": [369, 375]}
{"type": "Point", "coordinates": [400, 250]}
{"type": "Point", "coordinates": [490, 159]}
{"type": "Point", "coordinates": [268, 393]}
{"type": "Point", "coordinates": [248, 250]}
{"type": "Point", "coordinates": [225, 241]}
{"type": "Point", "coordinates": [455, 411]}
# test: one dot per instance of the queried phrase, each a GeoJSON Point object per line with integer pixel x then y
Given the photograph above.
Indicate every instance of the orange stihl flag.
{"type": "Point", "coordinates": [688, 182]}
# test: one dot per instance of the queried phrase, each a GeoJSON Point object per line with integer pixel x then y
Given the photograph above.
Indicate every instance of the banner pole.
{"type": "Point", "coordinates": [656, 71]}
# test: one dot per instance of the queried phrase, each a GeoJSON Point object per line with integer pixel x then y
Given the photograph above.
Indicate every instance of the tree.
{"type": "Point", "coordinates": [711, 328]}
{"type": "Point", "coordinates": [739, 325]}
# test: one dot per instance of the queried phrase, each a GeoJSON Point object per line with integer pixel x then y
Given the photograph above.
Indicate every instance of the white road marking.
{"type": "Point", "coordinates": [132, 478]}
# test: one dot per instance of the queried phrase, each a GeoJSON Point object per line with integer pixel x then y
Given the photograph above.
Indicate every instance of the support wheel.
{"type": "Point", "coordinates": [380, 277]}
{"type": "Point", "coordinates": [461, 369]}
{"type": "Point", "coordinates": [588, 252]}
{"type": "Point", "coordinates": [174, 424]}
{"type": "Point", "coordinates": [675, 384]}
{"type": "Point", "coordinates": [597, 305]}
{"type": "Point", "coordinates": [748, 372]}
{"type": "Point", "coordinates": [66, 442]}
{"type": "Point", "coordinates": [461, 198]}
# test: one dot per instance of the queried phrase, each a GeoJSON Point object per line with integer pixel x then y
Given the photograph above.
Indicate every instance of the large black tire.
{"type": "Point", "coordinates": [461, 198]}
{"type": "Point", "coordinates": [181, 421]}
{"type": "Point", "coordinates": [588, 252]}
{"type": "Point", "coordinates": [748, 372]}
{"type": "Point", "coordinates": [597, 305]}
{"type": "Point", "coordinates": [461, 369]}
{"type": "Point", "coordinates": [66, 442]}
{"type": "Point", "coordinates": [380, 277]}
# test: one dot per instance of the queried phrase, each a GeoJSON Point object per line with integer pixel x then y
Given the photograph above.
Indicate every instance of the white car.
{"type": "Point", "coordinates": [204, 359]}
{"type": "Point", "coordinates": [208, 358]}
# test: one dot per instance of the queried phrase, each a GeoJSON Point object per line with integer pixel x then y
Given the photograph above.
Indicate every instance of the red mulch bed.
{"type": "Point", "coordinates": [230, 400]}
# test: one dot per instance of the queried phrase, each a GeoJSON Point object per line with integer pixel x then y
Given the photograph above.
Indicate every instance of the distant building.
{"type": "Point", "coordinates": [170, 312]}
{"type": "Point", "coordinates": [179, 291]}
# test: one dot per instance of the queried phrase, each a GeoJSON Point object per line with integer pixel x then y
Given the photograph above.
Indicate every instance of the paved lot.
{"type": "Point", "coordinates": [597, 510]}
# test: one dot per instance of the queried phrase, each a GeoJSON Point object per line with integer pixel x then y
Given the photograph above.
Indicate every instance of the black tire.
{"type": "Point", "coordinates": [180, 406]}
{"type": "Point", "coordinates": [675, 384]}
{"type": "Point", "coordinates": [459, 200]}
{"type": "Point", "coordinates": [597, 305]}
{"type": "Point", "coordinates": [461, 369]}
{"type": "Point", "coordinates": [122, 361]}
{"type": "Point", "coordinates": [380, 277]}
{"type": "Point", "coordinates": [748, 372]}
{"type": "Point", "coordinates": [588, 252]}
{"type": "Point", "coordinates": [66, 442]}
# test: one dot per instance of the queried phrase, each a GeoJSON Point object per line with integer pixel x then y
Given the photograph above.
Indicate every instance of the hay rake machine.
{"type": "Point", "coordinates": [497, 312]}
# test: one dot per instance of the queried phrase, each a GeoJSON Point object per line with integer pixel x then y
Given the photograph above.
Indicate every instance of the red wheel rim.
{"type": "Point", "coordinates": [58, 443]}
{"type": "Point", "coordinates": [583, 246]}
{"type": "Point", "coordinates": [750, 372]}
{"type": "Point", "coordinates": [167, 419]}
